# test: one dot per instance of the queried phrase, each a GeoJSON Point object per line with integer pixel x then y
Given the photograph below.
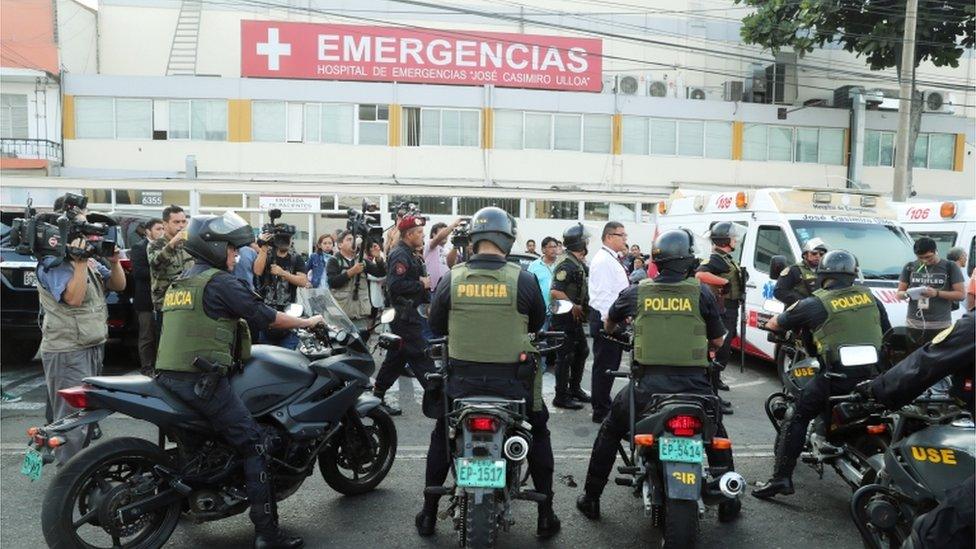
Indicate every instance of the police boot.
{"type": "Point", "coordinates": [579, 395]}
{"type": "Point", "coordinates": [721, 385]}
{"type": "Point", "coordinates": [727, 407]}
{"type": "Point", "coordinates": [391, 409]}
{"type": "Point", "coordinates": [277, 540]}
{"type": "Point", "coordinates": [567, 402]}
{"type": "Point", "coordinates": [548, 524]}
{"type": "Point", "coordinates": [774, 486]}
{"type": "Point", "coordinates": [589, 506]}
{"type": "Point", "coordinates": [426, 522]}
{"type": "Point", "coordinates": [782, 481]}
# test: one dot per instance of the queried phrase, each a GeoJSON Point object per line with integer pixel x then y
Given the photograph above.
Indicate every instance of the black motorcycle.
{"type": "Point", "coordinates": [130, 492]}
{"type": "Point", "coordinates": [665, 466]}
{"type": "Point", "coordinates": [933, 448]}
{"type": "Point", "coordinates": [488, 439]}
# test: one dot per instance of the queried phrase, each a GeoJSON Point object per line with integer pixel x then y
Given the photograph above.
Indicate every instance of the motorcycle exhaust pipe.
{"type": "Point", "coordinates": [516, 448]}
{"type": "Point", "coordinates": [732, 485]}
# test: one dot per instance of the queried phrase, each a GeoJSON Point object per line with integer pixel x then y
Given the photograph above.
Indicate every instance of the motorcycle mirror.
{"type": "Point", "coordinates": [776, 265]}
{"type": "Point", "coordinates": [294, 310]}
{"type": "Point", "coordinates": [389, 341]}
{"type": "Point", "coordinates": [774, 306]}
{"type": "Point", "coordinates": [387, 316]}
{"type": "Point", "coordinates": [858, 355]}
{"type": "Point", "coordinates": [560, 306]}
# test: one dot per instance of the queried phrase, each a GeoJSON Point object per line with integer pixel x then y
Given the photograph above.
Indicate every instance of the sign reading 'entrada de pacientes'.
{"type": "Point", "coordinates": [273, 49]}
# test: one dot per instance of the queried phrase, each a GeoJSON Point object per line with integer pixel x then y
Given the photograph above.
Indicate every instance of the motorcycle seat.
{"type": "Point", "coordinates": [135, 384]}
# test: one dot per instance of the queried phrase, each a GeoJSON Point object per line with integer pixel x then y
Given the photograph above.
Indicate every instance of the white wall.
{"type": "Point", "coordinates": [77, 37]}
{"type": "Point", "coordinates": [43, 102]}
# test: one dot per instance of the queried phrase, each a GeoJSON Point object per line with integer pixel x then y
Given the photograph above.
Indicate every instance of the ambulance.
{"type": "Point", "coordinates": [773, 222]}
{"type": "Point", "coordinates": [950, 224]}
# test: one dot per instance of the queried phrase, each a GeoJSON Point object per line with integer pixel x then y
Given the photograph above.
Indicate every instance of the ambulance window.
{"type": "Point", "coordinates": [770, 241]}
{"type": "Point", "coordinates": [944, 241]}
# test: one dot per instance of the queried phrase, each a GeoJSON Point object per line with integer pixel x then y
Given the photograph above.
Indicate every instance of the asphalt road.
{"type": "Point", "coordinates": [815, 517]}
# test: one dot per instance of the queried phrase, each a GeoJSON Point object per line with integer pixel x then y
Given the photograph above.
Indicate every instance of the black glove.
{"type": "Point", "coordinates": [863, 390]}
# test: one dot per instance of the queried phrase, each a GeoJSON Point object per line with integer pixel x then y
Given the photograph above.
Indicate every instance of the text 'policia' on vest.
{"type": "Point", "coordinates": [669, 329]}
{"type": "Point", "coordinates": [852, 319]}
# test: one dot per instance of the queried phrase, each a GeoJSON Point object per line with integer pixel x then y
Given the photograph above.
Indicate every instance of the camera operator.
{"type": "Point", "coordinates": [346, 278]}
{"type": "Point", "coordinates": [71, 290]}
{"type": "Point", "coordinates": [279, 278]}
{"type": "Point", "coordinates": [167, 258]}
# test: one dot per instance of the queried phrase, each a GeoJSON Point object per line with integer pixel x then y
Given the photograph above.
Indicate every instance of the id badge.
{"type": "Point", "coordinates": [923, 303]}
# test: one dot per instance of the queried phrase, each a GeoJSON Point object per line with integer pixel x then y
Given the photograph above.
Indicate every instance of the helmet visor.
{"type": "Point", "coordinates": [233, 228]}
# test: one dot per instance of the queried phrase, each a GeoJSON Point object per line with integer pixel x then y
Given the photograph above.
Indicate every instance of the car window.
{"type": "Point", "coordinates": [771, 240]}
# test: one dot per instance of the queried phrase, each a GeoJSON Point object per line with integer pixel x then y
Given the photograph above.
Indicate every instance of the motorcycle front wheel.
{"type": "Point", "coordinates": [80, 509]}
{"type": "Point", "coordinates": [353, 464]}
{"type": "Point", "coordinates": [680, 524]}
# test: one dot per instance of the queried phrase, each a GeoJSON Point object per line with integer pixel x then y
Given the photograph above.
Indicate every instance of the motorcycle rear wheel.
{"type": "Point", "coordinates": [354, 468]}
{"type": "Point", "coordinates": [680, 524]}
{"type": "Point", "coordinates": [97, 482]}
{"type": "Point", "coordinates": [481, 523]}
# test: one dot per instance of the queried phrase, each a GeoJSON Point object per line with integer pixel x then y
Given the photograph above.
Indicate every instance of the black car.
{"type": "Point", "coordinates": [19, 304]}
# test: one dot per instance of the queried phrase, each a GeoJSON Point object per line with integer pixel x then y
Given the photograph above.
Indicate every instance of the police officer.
{"type": "Point", "coordinates": [839, 313]}
{"type": "Point", "coordinates": [723, 265]}
{"type": "Point", "coordinates": [951, 353]}
{"type": "Point", "coordinates": [570, 282]}
{"type": "Point", "coordinates": [800, 280]}
{"type": "Point", "coordinates": [408, 287]}
{"type": "Point", "coordinates": [207, 311]}
{"type": "Point", "coordinates": [671, 350]}
{"type": "Point", "coordinates": [488, 307]}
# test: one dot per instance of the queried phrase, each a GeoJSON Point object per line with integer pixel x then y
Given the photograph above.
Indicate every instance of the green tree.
{"type": "Point", "coordinates": [869, 29]}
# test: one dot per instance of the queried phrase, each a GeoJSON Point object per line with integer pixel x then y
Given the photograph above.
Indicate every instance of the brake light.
{"type": "Point", "coordinates": [684, 426]}
{"type": "Point", "coordinates": [877, 429]}
{"type": "Point", "coordinates": [76, 397]}
{"type": "Point", "coordinates": [644, 440]}
{"type": "Point", "coordinates": [482, 424]}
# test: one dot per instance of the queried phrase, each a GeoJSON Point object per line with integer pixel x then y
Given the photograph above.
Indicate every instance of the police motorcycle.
{"type": "Point", "coordinates": [488, 439]}
{"type": "Point", "coordinates": [789, 352]}
{"type": "Point", "coordinates": [665, 464]}
{"type": "Point", "coordinates": [933, 449]}
{"type": "Point", "coordinates": [129, 492]}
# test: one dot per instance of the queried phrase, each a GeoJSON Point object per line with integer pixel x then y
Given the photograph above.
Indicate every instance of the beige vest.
{"type": "Point", "coordinates": [67, 328]}
{"type": "Point", "coordinates": [358, 307]}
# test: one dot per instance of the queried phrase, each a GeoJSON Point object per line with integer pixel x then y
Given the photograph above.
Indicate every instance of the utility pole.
{"type": "Point", "coordinates": [903, 156]}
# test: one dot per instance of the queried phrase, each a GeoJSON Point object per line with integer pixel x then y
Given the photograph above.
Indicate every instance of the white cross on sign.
{"type": "Point", "coordinates": [273, 49]}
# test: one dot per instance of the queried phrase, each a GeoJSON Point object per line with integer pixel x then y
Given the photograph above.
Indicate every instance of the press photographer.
{"type": "Point", "coordinates": [346, 272]}
{"type": "Point", "coordinates": [280, 276]}
{"type": "Point", "coordinates": [77, 263]}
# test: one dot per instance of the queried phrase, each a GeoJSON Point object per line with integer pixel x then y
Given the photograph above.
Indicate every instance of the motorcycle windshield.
{"type": "Point", "coordinates": [319, 301]}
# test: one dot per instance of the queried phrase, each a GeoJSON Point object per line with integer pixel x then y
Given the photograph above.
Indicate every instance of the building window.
{"type": "Point", "coordinates": [208, 119]}
{"type": "Point", "coordinates": [691, 138]}
{"type": "Point", "coordinates": [133, 118]}
{"type": "Point", "coordinates": [635, 131]}
{"type": "Point", "coordinates": [94, 118]}
{"type": "Point", "coordinates": [508, 129]}
{"type": "Point", "coordinates": [538, 131]}
{"type": "Point", "coordinates": [329, 123]}
{"type": "Point", "coordinates": [469, 205]}
{"type": "Point", "coordinates": [664, 137]}
{"type": "Point", "coordinates": [13, 115]}
{"type": "Point", "coordinates": [830, 146]}
{"type": "Point", "coordinates": [597, 133]}
{"type": "Point", "coordinates": [596, 211]}
{"type": "Point", "coordinates": [887, 154]}
{"type": "Point", "coordinates": [433, 205]}
{"type": "Point", "coordinates": [806, 145]}
{"type": "Point", "coordinates": [920, 158]}
{"type": "Point", "coordinates": [444, 127]}
{"type": "Point", "coordinates": [179, 120]}
{"type": "Point", "coordinates": [553, 209]}
{"type": "Point", "coordinates": [780, 144]}
{"type": "Point", "coordinates": [942, 151]}
{"type": "Point", "coordinates": [374, 124]}
{"type": "Point", "coordinates": [567, 132]}
{"type": "Point", "coordinates": [718, 140]}
{"type": "Point", "coordinates": [754, 142]}
{"type": "Point", "coordinates": [269, 121]}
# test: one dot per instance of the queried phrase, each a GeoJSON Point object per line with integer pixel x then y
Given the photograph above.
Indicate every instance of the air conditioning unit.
{"type": "Point", "coordinates": [660, 88]}
{"type": "Point", "coordinates": [628, 84]}
{"type": "Point", "coordinates": [937, 101]}
{"type": "Point", "coordinates": [609, 84]}
{"type": "Point", "coordinates": [733, 90]}
{"type": "Point", "coordinates": [781, 80]}
{"type": "Point", "coordinates": [889, 99]}
{"type": "Point", "coordinates": [696, 93]}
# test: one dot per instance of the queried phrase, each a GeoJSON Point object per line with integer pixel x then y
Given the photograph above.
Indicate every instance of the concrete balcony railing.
{"type": "Point", "coordinates": [30, 149]}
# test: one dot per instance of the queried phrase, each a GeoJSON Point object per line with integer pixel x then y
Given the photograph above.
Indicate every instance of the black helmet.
{"type": "Point", "coordinates": [208, 236]}
{"type": "Point", "coordinates": [494, 225]}
{"type": "Point", "coordinates": [723, 230]}
{"type": "Point", "coordinates": [674, 250]}
{"type": "Point", "coordinates": [575, 238]}
{"type": "Point", "coordinates": [837, 269]}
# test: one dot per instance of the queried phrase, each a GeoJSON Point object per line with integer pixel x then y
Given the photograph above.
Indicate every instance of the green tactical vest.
{"type": "Point", "coordinates": [733, 275]}
{"type": "Point", "coordinates": [189, 333]}
{"type": "Point", "coordinates": [484, 324]}
{"type": "Point", "coordinates": [808, 279]}
{"type": "Point", "coordinates": [66, 328]}
{"type": "Point", "coordinates": [577, 291]}
{"type": "Point", "coordinates": [669, 329]}
{"type": "Point", "coordinates": [852, 319]}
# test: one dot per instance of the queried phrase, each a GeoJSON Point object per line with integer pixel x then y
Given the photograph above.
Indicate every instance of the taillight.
{"type": "Point", "coordinates": [877, 429]}
{"type": "Point", "coordinates": [76, 397]}
{"type": "Point", "coordinates": [684, 426]}
{"type": "Point", "coordinates": [482, 424]}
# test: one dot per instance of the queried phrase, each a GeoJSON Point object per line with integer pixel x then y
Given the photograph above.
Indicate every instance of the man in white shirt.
{"type": "Point", "coordinates": [607, 279]}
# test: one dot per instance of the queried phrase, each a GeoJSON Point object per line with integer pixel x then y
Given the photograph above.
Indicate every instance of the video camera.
{"type": "Point", "coordinates": [404, 209]}
{"type": "Point", "coordinates": [281, 233]}
{"type": "Point", "coordinates": [365, 225]}
{"type": "Point", "coordinates": [51, 234]}
{"type": "Point", "coordinates": [461, 236]}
